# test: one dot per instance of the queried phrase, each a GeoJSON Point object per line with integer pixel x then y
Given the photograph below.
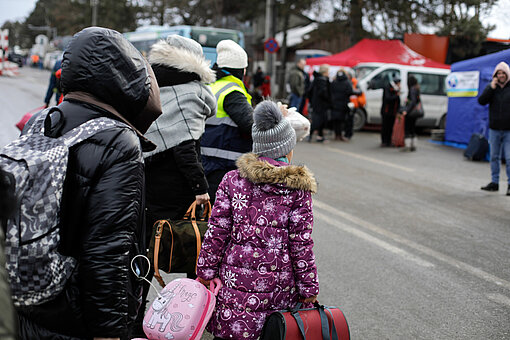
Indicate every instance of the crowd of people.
{"type": "Point", "coordinates": [183, 133]}
{"type": "Point", "coordinates": [187, 133]}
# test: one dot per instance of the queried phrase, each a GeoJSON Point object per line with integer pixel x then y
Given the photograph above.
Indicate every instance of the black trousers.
{"type": "Point", "coordinates": [319, 119]}
{"type": "Point", "coordinates": [337, 125]}
{"type": "Point", "coordinates": [387, 129]}
{"type": "Point", "coordinates": [410, 127]}
{"type": "Point", "coordinates": [349, 125]}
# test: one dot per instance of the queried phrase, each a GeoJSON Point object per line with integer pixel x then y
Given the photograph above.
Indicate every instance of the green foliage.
{"type": "Point", "coordinates": [70, 16]}
{"type": "Point", "coordinates": [387, 19]}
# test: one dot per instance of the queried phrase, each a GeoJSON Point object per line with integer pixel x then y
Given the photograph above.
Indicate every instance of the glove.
{"type": "Point", "coordinates": [310, 299]}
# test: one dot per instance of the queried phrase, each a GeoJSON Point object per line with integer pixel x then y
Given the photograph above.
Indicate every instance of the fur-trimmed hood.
{"type": "Point", "coordinates": [266, 170]}
{"type": "Point", "coordinates": [182, 59]}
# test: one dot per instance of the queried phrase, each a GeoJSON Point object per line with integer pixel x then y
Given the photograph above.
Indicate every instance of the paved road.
{"type": "Point", "coordinates": [406, 243]}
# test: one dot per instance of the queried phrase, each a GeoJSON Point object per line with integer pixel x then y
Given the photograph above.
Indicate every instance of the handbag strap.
{"type": "Point", "coordinates": [334, 334]}
{"type": "Point", "coordinates": [159, 232]}
{"type": "Point", "coordinates": [299, 321]}
{"type": "Point", "coordinates": [191, 214]}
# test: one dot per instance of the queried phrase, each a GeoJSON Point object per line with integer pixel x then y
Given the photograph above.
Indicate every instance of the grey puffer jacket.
{"type": "Point", "coordinates": [174, 173]}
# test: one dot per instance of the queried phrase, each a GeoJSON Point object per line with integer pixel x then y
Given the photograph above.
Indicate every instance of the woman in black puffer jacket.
{"type": "Point", "coordinates": [320, 100]}
{"type": "Point", "coordinates": [103, 75]}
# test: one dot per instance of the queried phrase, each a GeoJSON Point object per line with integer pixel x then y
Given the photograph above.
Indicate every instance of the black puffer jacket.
{"type": "Point", "coordinates": [341, 90]}
{"type": "Point", "coordinates": [103, 197]}
{"type": "Point", "coordinates": [391, 101]}
{"type": "Point", "coordinates": [499, 103]}
{"type": "Point", "coordinates": [320, 97]}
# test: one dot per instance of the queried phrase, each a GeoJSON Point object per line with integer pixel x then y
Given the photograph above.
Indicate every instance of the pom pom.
{"type": "Point", "coordinates": [267, 115]}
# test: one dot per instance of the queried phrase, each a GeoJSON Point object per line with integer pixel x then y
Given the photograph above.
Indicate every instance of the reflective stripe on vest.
{"type": "Point", "coordinates": [220, 153]}
{"type": "Point", "coordinates": [223, 123]}
{"type": "Point", "coordinates": [218, 121]}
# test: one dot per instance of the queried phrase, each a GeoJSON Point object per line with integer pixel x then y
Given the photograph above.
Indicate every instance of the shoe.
{"type": "Point", "coordinates": [491, 187]}
{"type": "Point", "coordinates": [406, 149]}
{"type": "Point", "coordinates": [320, 139]}
{"type": "Point", "coordinates": [413, 148]}
{"type": "Point", "coordinates": [508, 190]}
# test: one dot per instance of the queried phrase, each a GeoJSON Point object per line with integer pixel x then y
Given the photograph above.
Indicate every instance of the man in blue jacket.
{"type": "Point", "coordinates": [53, 86]}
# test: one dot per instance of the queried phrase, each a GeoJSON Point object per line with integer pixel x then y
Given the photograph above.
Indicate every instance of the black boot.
{"type": "Point", "coordinates": [508, 190]}
{"type": "Point", "coordinates": [491, 187]}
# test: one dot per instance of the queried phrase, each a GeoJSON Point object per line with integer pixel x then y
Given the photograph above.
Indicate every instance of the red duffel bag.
{"type": "Point", "coordinates": [318, 323]}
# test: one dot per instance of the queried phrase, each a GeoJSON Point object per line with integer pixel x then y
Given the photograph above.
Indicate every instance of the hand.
{"type": "Point", "coordinates": [494, 82]}
{"type": "Point", "coordinates": [404, 113]}
{"type": "Point", "coordinates": [204, 282]}
{"type": "Point", "coordinates": [284, 109]}
{"type": "Point", "coordinates": [311, 299]}
{"type": "Point", "coordinates": [202, 199]}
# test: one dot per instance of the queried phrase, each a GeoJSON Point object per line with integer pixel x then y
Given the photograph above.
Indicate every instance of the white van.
{"type": "Point", "coordinates": [373, 77]}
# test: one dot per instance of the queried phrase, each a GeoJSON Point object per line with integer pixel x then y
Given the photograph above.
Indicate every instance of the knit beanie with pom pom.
{"type": "Point", "coordinates": [272, 134]}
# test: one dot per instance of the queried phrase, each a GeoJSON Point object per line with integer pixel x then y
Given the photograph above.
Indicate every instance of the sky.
{"type": "Point", "coordinates": [20, 9]}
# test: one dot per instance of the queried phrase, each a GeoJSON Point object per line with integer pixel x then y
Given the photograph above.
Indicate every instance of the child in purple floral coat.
{"type": "Point", "coordinates": [259, 241]}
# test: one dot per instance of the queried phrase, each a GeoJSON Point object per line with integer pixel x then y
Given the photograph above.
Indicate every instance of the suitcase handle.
{"type": "Point", "coordinates": [324, 322]}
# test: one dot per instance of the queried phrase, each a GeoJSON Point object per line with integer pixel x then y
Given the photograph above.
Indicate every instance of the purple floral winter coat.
{"type": "Point", "coordinates": [259, 244]}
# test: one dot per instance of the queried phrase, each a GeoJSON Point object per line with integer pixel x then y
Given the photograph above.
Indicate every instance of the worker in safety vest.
{"type": "Point", "coordinates": [228, 134]}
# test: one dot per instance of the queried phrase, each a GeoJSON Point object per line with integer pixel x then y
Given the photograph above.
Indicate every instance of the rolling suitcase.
{"type": "Point", "coordinates": [477, 147]}
{"type": "Point", "coordinates": [398, 134]}
{"type": "Point", "coordinates": [318, 323]}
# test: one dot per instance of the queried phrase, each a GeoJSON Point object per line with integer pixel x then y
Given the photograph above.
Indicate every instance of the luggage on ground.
{"type": "Point", "coordinates": [477, 147]}
{"type": "Point", "coordinates": [398, 134]}
{"type": "Point", "coordinates": [318, 323]}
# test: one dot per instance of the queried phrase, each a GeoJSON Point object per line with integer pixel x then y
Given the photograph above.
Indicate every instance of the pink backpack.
{"type": "Point", "coordinates": [181, 310]}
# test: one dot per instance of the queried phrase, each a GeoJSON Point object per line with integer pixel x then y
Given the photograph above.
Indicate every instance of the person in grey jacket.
{"type": "Point", "coordinates": [175, 176]}
{"type": "Point", "coordinates": [297, 84]}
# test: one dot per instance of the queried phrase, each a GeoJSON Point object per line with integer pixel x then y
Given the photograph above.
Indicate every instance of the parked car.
{"type": "Point", "coordinates": [16, 58]}
{"type": "Point", "coordinates": [432, 83]}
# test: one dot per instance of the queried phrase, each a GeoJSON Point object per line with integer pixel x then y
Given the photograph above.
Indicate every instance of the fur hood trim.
{"type": "Point", "coordinates": [181, 59]}
{"type": "Point", "coordinates": [260, 171]}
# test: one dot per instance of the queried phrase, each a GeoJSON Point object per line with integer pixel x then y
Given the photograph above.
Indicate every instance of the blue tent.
{"type": "Point", "coordinates": [465, 116]}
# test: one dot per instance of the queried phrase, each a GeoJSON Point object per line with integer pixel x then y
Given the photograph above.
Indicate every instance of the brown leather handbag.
{"type": "Point", "coordinates": [175, 245]}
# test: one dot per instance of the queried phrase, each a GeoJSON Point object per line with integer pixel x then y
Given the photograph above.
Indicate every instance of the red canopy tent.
{"type": "Point", "coordinates": [377, 51]}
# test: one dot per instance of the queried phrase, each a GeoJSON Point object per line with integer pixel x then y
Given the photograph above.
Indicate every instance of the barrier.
{"type": "Point", "coordinates": [7, 68]}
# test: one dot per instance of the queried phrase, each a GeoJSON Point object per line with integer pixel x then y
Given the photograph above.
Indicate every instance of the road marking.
{"type": "Point", "coordinates": [370, 159]}
{"type": "Point", "coordinates": [499, 298]}
{"type": "Point", "coordinates": [374, 240]}
{"type": "Point", "coordinates": [408, 243]}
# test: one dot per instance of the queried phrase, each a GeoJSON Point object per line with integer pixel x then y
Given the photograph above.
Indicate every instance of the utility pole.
{"type": "Point", "coordinates": [94, 4]}
{"type": "Point", "coordinates": [268, 32]}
